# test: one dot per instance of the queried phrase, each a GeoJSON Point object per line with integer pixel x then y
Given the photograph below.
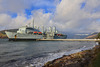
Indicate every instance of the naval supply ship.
{"type": "Point", "coordinates": [33, 33]}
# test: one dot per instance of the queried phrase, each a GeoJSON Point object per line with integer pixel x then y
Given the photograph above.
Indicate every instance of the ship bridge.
{"type": "Point", "coordinates": [26, 29]}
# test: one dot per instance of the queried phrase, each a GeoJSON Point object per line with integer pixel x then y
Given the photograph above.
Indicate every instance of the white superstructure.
{"type": "Point", "coordinates": [24, 33]}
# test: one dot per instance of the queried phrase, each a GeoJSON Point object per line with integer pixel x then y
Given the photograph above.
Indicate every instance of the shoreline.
{"type": "Point", "coordinates": [80, 59]}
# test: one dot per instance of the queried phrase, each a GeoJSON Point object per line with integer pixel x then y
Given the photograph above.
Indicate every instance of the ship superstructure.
{"type": "Point", "coordinates": [25, 33]}
{"type": "Point", "coordinates": [52, 33]}
{"type": "Point", "coordinates": [32, 33]}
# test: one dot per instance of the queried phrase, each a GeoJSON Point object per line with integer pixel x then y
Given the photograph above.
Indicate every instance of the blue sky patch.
{"type": "Point", "coordinates": [13, 15]}
{"type": "Point", "coordinates": [83, 5]}
{"type": "Point", "coordinates": [98, 20]}
{"type": "Point", "coordinates": [47, 9]}
{"type": "Point", "coordinates": [47, 5]}
{"type": "Point", "coordinates": [28, 13]}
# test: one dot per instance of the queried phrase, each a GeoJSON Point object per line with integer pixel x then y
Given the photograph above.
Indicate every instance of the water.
{"type": "Point", "coordinates": [36, 53]}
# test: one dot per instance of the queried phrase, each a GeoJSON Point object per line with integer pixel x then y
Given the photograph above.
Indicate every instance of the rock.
{"type": "Point", "coordinates": [80, 59]}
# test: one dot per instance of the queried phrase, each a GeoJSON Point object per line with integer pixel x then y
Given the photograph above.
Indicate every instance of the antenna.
{"type": "Point", "coordinates": [42, 29]}
{"type": "Point", "coordinates": [29, 24]}
{"type": "Point", "coordinates": [38, 28]}
{"type": "Point", "coordinates": [54, 29]}
{"type": "Point", "coordinates": [50, 29]}
{"type": "Point", "coordinates": [33, 23]}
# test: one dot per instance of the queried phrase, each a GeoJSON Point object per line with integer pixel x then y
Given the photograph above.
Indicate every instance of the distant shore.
{"type": "Point", "coordinates": [86, 58]}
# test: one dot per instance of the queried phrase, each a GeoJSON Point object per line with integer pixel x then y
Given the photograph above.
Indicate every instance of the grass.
{"type": "Point", "coordinates": [96, 62]}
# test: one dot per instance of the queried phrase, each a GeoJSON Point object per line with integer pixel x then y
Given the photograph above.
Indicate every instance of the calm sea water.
{"type": "Point", "coordinates": [36, 53]}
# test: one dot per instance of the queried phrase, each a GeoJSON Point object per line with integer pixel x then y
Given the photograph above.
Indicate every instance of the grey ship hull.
{"type": "Point", "coordinates": [19, 36]}
{"type": "Point", "coordinates": [60, 37]}
{"type": "Point", "coordinates": [56, 37]}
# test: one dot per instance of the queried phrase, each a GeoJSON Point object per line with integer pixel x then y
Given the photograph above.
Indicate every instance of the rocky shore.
{"type": "Point", "coordinates": [86, 58]}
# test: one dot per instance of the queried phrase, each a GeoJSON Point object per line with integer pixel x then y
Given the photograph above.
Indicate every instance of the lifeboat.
{"type": "Point", "coordinates": [59, 34]}
{"type": "Point", "coordinates": [35, 32]}
{"type": "Point", "coordinates": [40, 32]}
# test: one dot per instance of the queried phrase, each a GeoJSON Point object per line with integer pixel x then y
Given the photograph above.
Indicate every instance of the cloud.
{"type": "Point", "coordinates": [69, 15]}
{"type": "Point", "coordinates": [13, 6]}
{"type": "Point", "coordinates": [40, 19]}
{"type": "Point", "coordinates": [17, 9]}
{"type": "Point", "coordinates": [7, 22]}
{"type": "Point", "coordinates": [16, 6]}
{"type": "Point", "coordinates": [4, 18]}
{"type": "Point", "coordinates": [91, 5]}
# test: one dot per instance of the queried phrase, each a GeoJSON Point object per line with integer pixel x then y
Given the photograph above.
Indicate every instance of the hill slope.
{"type": "Point", "coordinates": [3, 34]}
{"type": "Point", "coordinates": [92, 36]}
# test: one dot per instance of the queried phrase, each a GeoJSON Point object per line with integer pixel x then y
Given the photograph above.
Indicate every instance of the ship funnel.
{"type": "Point", "coordinates": [29, 25]}
{"type": "Point", "coordinates": [42, 29]}
{"type": "Point", "coordinates": [54, 29]}
{"type": "Point", "coordinates": [35, 27]}
{"type": "Point", "coordinates": [33, 23]}
{"type": "Point", "coordinates": [50, 29]}
{"type": "Point", "coordinates": [38, 28]}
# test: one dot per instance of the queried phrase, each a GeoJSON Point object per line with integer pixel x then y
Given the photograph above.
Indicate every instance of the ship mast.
{"type": "Point", "coordinates": [33, 23]}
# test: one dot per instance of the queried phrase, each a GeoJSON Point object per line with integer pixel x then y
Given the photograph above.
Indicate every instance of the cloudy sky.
{"type": "Point", "coordinates": [80, 16]}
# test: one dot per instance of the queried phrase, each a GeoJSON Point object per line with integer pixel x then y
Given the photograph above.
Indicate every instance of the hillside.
{"type": "Point", "coordinates": [92, 36]}
{"type": "Point", "coordinates": [3, 34]}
